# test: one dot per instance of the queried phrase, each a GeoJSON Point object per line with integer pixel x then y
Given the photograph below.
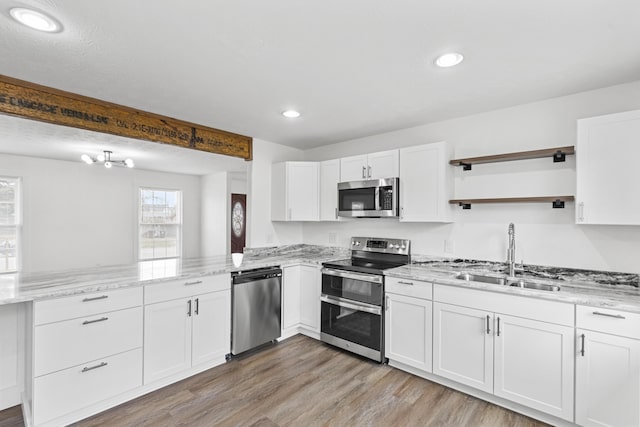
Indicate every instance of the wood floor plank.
{"type": "Point", "coordinates": [301, 382]}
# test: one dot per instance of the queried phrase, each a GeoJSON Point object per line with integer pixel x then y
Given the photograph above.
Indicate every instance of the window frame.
{"type": "Point", "coordinates": [17, 201]}
{"type": "Point", "coordinates": [179, 224]}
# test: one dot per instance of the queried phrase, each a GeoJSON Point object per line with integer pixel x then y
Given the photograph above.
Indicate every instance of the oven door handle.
{"type": "Point", "coordinates": [350, 275]}
{"type": "Point", "coordinates": [368, 308]}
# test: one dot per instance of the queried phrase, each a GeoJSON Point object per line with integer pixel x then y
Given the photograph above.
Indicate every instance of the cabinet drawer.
{"type": "Point", "coordinates": [63, 344]}
{"type": "Point", "coordinates": [609, 321]}
{"type": "Point", "coordinates": [514, 305]}
{"type": "Point", "coordinates": [83, 305]}
{"type": "Point", "coordinates": [408, 287]}
{"type": "Point", "coordinates": [63, 392]}
{"type": "Point", "coordinates": [185, 288]}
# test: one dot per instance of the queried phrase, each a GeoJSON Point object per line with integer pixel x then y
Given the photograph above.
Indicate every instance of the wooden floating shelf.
{"type": "Point", "coordinates": [558, 154]}
{"type": "Point", "coordinates": [556, 201]}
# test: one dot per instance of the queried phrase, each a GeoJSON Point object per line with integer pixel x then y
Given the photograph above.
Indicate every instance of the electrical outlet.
{"type": "Point", "coordinates": [332, 237]}
{"type": "Point", "coordinates": [448, 246]}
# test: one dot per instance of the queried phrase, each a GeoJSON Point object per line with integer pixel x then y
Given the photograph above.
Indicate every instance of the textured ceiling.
{"type": "Point", "coordinates": [352, 68]}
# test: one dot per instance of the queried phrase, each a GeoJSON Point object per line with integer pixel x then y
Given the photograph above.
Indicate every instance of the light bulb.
{"type": "Point", "coordinates": [107, 165]}
{"type": "Point", "coordinates": [291, 114]}
{"type": "Point", "coordinates": [85, 158]}
{"type": "Point", "coordinates": [129, 163]}
{"type": "Point", "coordinates": [100, 157]}
{"type": "Point", "coordinates": [36, 20]}
{"type": "Point", "coordinates": [449, 59]}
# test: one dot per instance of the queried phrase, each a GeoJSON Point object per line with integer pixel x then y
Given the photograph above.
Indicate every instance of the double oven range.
{"type": "Point", "coordinates": [352, 297]}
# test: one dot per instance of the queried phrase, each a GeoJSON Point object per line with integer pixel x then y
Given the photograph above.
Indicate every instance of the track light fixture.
{"type": "Point", "coordinates": [106, 159]}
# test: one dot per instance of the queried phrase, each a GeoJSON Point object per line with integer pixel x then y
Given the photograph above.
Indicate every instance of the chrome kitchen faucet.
{"type": "Point", "coordinates": [511, 252]}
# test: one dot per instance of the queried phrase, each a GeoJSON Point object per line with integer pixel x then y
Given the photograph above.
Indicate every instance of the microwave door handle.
{"type": "Point", "coordinates": [377, 196]}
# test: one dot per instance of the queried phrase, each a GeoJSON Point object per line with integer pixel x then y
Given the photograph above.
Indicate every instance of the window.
{"type": "Point", "coordinates": [10, 222]}
{"type": "Point", "coordinates": [160, 224]}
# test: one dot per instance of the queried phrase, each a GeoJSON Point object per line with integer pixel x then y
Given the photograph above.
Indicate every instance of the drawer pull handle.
{"type": "Point", "coordinates": [91, 368]}
{"type": "Point", "coordinates": [88, 322]}
{"type": "Point", "coordinates": [197, 282]}
{"type": "Point", "coordinates": [617, 316]}
{"type": "Point", "coordinates": [400, 282]}
{"type": "Point", "coordinates": [95, 298]}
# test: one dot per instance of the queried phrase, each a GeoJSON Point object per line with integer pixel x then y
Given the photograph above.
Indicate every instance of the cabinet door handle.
{"type": "Point", "coordinates": [368, 171]}
{"type": "Point", "coordinates": [488, 326]}
{"type": "Point", "coordinates": [189, 311]}
{"type": "Point", "coordinates": [364, 172]}
{"type": "Point", "coordinates": [95, 298]}
{"type": "Point", "coordinates": [197, 306]}
{"type": "Point", "coordinates": [582, 345]}
{"type": "Point", "coordinates": [91, 368]}
{"type": "Point", "coordinates": [616, 316]}
{"type": "Point", "coordinates": [498, 327]}
{"type": "Point", "coordinates": [400, 282]}
{"type": "Point", "coordinates": [88, 322]}
{"type": "Point", "coordinates": [386, 306]}
{"type": "Point", "coordinates": [336, 213]}
{"type": "Point", "coordinates": [197, 282]}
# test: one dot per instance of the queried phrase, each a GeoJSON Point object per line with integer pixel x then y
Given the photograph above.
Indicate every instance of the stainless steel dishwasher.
{"type": "Point", "coordinates": [256, 300]}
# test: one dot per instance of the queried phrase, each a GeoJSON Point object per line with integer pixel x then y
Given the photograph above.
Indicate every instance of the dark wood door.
{"type": "Point", "coordinates": [238, 222]}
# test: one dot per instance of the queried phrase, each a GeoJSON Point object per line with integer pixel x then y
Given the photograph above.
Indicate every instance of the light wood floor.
{"type": "Point", "coordinates": [301, 382]}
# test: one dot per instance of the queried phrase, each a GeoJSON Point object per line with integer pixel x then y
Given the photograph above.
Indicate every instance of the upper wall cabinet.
{"type": "Point", "coordinates": [369, 166]}
{"type": "Point", "coordinates": [607, 152]}
{"type": "Point", "coordinates": [294, 191]}
{"type": "Point", "coordinates": [329, 178]}
{"type": "Point", "coordinates": [426, 183]}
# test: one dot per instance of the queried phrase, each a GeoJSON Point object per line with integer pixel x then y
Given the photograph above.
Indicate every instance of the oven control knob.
{"type": "Point", "coordinates": [403, 247]}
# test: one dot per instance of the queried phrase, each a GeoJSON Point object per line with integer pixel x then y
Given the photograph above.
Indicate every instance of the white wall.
{"type": "Point", "coordinates": [214, 214]}
{"type": "Point", "coordinates": [260, 230]}
{"type": "Point", "coordinates": [544, 235]}
{"type": "Point", "coordinates": [77, 216]}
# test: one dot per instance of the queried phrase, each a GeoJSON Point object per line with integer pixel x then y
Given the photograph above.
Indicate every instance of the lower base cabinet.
{"type": "Point", "coordinates": [186, 332]}
{"type": "Point", "coordinates": [301, 286]}
{"type": "Point", "coordinates": [529, 361]}
{"type": "Point", "coordinates": [607, 367]}
{"type": "Point", "coordinates": [408, 329]}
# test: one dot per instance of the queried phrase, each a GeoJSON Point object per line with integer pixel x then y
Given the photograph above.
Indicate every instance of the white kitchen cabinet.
{"type": "Point", "coordinates": [295, 191]}
{"type": "Point", "coordinates": [463, 345]}
{"type": "Point", "coordinates": [383, 164]}
{"type": "Point", "coordinates": [290, 300]}
{"type": "Point", "coordinates": [84, 349]}
{"type": "Point", "coordinates": [211, 327]}
{"type": "Point", "coordinates": [533, 364]}
{"type": "Point", "coordinates": [329, 178]}
{"type": "Point", "coordinates": [167, 339]}
{"type": "Point", "coordinates": [408, 331]}
{"type": "Point", "coordinates": [186, 326]}
{"type": "Point", "coordinates": [301, 300]}
{"type": "Point", "coordinates": [310, 289]}
{"type": "Point", "coordinates": [606, 155]}
{"type": "Point", "coordinates": [607, 367]}
{"type": "Point", "coordinates": [426, 182]}
{"type": "Point", "coordinates": [517, 348]}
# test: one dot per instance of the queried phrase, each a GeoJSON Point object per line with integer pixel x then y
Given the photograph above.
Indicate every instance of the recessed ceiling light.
{"type": "Point", "coordinates": [36, 20]}
{"type": "Point", "coordinates": [449, 59]}
{"type": "Point", "coordinates": [291, 114]}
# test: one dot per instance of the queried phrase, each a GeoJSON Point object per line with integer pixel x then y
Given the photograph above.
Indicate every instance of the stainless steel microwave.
{"type": "Point", "coordinates": [370, 198]}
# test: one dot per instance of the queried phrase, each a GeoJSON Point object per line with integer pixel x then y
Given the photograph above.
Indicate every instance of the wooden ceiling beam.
{"type": "Point", "coordinates": [32, 101]}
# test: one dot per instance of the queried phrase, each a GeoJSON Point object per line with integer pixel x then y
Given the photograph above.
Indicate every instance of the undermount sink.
{"type": "Point", "coordinates": [519, 283]}
{"type": "Point", "coordinates": [480, 278]}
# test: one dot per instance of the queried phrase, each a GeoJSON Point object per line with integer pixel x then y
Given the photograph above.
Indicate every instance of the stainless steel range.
{"type": "Point", "coordinates": [353, 295]}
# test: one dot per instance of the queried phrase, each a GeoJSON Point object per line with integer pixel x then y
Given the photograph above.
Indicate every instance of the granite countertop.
{"type": "Point", "coordinates": [16, 288]}
{"type": "Point", "coordinates": [594, 288]}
